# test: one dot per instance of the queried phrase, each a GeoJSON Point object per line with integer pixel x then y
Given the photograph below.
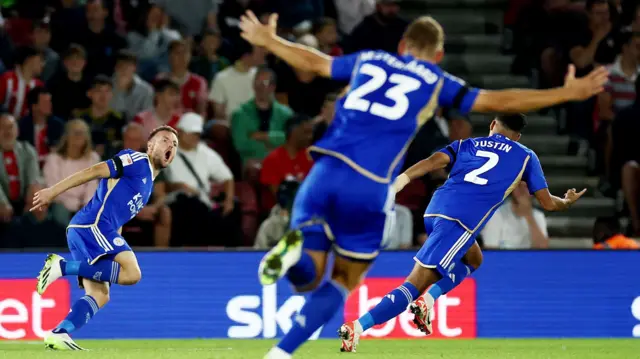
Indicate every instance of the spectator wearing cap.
{"type": "Point", "coordinates": [165, 107]}
{"type": "Point", "coordinates": [233, 86]}
{"type": "Point", "coordinates": [209, 63]}
{"type": "Point", "coordinates": [41, 36]}
{"type": "Point", "coordinates": [193, 88]}
{"type": "Point", "coordinates": [516, 224]}
{"type": "Point", "coordinates": [131, 94]}
{"type": "Point", "coordinates": [258, 125]}
{"type": "Point", "coordinates": [14, 85]}
{"type": "Point", "coordinates": [69, 85]}
{"type": "Point", "coordinates": [607, 234]}
{"type": "Point", "coordinates": [276, 225]}
{"type": "Point", "coordinates": [381, 30]}
{"type": "Point", "coordinates": [106, 124]}
{"type": "Point", "coordinates": [40, 127]}
{"type": "Point", "coordinates": [289, 161]}
{"type": "Point", "coordinates": [150, 42]}
{"type": "Point", "coordinates": [203, 220]}
{"type": "Point", "coordinates": [101, 42]}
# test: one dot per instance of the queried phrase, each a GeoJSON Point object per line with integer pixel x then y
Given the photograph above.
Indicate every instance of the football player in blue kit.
{"type": "Point", "coordinates": [483, 172]}
{"type": "Point", "coordinates": [100, 255]}
{"type": "Point", "coordinates": [345, 204]}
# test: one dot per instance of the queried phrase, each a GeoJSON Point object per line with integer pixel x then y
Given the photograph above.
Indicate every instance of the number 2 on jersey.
{"type": "Point", "coordinates": [398, 93]}
{"type": "Point", "coordinates": [474, 176]}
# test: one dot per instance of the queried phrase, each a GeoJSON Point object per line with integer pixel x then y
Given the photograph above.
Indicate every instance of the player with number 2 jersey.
{"type": "Point", "coordinates": [346, 202]}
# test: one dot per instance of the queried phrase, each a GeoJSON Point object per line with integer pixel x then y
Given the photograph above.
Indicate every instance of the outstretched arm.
{"type": "Point", "coordinates": [436, 161]}
{"type": "Point", "coordinates": [553, 203]}
{"type": "Point", "coordinates": [522, 100]}
{"type": "Point", "coordinates": [46, 196]}
{"type": "Point", "coordinates": [299, 56]}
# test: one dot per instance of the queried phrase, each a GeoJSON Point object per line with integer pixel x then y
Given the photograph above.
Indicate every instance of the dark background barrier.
{"type": "Point", "coordinates": [217, 295]}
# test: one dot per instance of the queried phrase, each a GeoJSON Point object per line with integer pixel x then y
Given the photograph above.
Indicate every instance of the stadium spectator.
{"type": "Point", "coordinates": [74, 154]}
{"type": "Point", "coordinates": [191, 17]}
{"type": "Point", "coordinates": [152, 225]}
{"type": "Point", "coordinates": [20, 176]}
{"type": "Point", "coordinates": [131, 94]}
{"type": "Point", "coordinates": [202, 220]}
{"type": "Point", "coordinates": [258, 125]}
{"type": "Point", "coordinates": [401, 233]}
{"type": "Point", "coordinates": [14, 85]}
{"type": "Point", "coordinates": [303, 92]}
{"type": "Point", "coordinates": [105, 124]}
{"type": "Point", "coordinates": [296, 15]}
{"type": "Point", "coordinates": [40, 127]}
{"type": "Point", "coordinates": [607, 234]}
{"type": "Point", "coordinates": [150, 43]}
{"type": "Point", "coordinates": [326, 31]}
{"type": "Point", "coordinates": [41, 41]}
{"type": "Point", "coordinates": [289, 161]}
{"type": "Point", "coordinates": [165, 107]}
{"type": "Point", "coordinates": [209, 63]}
{"type": "Point", "coordinates": [276, 225]}
{"type": "Point", "coordinates": [516, 224]}
{"type": "Point", "coordinates": [594, 42]}
{"type": "Point", "coordinates": [229, 18]}
{"type": "Point", "coordinates": [193, 88]}
{"type": "Point", "coordinates": [324, 119]}
{"type": "Point", "coordinates": [65, 22]}
{"type": "Point", "coordinates": [101, 42]}
{"type": "Point", "coordinates": [381, 30]}
{"type": "Point", "coordinates": [352, 12]}
{"type": "Point", "coordinates": [69, 85]}
{"type": "Point", "coordinates": [233, 86]}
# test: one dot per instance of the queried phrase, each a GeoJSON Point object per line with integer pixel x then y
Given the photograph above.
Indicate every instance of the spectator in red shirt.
{"type": "Point", "coordinates": [165, 107]}
{"type": "Point", "coordinates": [40, 127]}
{"type": "Point", "coordinates": [14, 85]}
{"type": "Point", "coordinates": [193, 88]}
{"type": "Point", "coordinates": [326, 31]}
{"type": "Point", "coordinates": [289, 161]}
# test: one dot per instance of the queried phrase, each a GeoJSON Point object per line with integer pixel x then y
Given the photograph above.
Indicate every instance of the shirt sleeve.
{"type": "Point", "coordinates": [456, 94]}
{"type": "Point", "coordinates": [342, 66]}
{"type": "Point", "coordinates": [533, 175]}
{"type": "Point", "coordinates": [269, 174]}
{"type": "Point", "coordinates": [127, 163]}
{"type": "Point", "coordinates": [218, 170]}
{"type": "Point", "coordinates": [217, 92]}
{"type": "Point", "coordinates": [452, 150]}
{"type": "Point", "coordinates": [541, 221]}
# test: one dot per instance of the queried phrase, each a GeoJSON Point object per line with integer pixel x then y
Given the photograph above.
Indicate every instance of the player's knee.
{"type": "Point", "coordinates": [347, 279]}
{"type": "Point", "coordinates": [130, 276]}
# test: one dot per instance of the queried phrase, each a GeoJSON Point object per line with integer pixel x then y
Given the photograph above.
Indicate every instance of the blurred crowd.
{"type": "Point", "coordinates": [82, 79]}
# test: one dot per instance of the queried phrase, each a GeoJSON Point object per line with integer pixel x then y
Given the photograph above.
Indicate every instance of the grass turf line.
{"type": "Point", "coordinates": [321, 349]}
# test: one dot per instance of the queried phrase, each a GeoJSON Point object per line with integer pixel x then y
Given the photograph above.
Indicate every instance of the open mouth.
{"type": "Point", "coordinates": [167, 155]}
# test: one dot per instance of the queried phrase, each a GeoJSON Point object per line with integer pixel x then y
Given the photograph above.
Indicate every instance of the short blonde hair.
{"type": "Point", "coordinates": [425, 35]}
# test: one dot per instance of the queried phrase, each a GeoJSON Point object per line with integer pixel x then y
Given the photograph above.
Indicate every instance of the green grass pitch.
{"type": "Point", "coordinates": [321, 349]}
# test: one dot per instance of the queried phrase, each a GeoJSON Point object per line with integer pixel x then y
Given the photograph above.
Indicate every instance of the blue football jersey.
{"type": "Point", "coordinates": [389, 98]}
{"type": "Point", "coordinates": [120, 197]}
{"type": "Point", "coordinates": [484, 171]}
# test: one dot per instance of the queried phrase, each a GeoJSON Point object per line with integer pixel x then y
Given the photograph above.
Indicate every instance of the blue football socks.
{"type": "Point", "coordinates": [102, 271]}
{"type": "Point", "coordinates": [81, 312]}
{"type": "Point", "coordinates": [320, 307]}
{"type": "Point", "coordinates": [446, 284]}
{"type": "Point", "coordinates": [302, 273]}
{"type": "Point", "coordinates": [390, 306]}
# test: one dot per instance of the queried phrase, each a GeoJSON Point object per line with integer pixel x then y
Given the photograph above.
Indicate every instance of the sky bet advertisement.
{"type": "Point", "coordinates": [217, 295]}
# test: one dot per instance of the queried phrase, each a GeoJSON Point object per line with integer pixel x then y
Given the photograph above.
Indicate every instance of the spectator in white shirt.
{"type": "Point", "coordinates": [233, 86]}
{"type": "Point", "coordinates": [516, 224]}
{"type": "Point", "coordinates": [201, 219]}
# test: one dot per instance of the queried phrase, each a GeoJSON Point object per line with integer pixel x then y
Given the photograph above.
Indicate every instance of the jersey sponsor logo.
{"type": "Point", "coordinates": [135, 204]}
{"type": "Point", "coordinates": [454, 314]}
{"type": "Point", "coordinates": [26, 315]}
{"type": "Point", "coordinates": [126, 160]}
{"type": "Point", "coordinates": [118, 242]}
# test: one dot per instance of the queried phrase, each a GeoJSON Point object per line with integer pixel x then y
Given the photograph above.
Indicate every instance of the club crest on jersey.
{"type": "Point", "coordinates": [126, 159]}
{"type": "Point", "coordinates": [118, 242]}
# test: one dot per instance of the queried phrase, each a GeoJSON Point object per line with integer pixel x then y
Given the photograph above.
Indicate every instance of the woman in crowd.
{"type": "Point", "coordinates": [74, 153]}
